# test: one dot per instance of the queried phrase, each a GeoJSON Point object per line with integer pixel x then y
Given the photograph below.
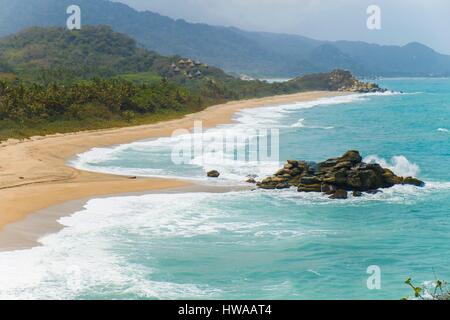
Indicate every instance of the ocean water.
{"type": "Point", "coordinates": [261, 244]}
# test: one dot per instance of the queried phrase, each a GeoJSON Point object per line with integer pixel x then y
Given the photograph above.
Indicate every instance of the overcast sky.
{"type": "Point", "coordinates": [403, 21]}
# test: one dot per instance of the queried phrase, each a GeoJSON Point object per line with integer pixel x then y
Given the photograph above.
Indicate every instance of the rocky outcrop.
{"type": "Point", "coordinates": [345, 81]}
{"type": "Point", "coordinates": [213, 174]}
{"type": "Point", "coordinates": [336, 177]}
{"type": "Point", "coordinates": [363, 87]}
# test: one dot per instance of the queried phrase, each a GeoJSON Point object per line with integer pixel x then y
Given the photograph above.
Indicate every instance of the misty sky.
{"type": "Point", "coordinates": [403, 21]}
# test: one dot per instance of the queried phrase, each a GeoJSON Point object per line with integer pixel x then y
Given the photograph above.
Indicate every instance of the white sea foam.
{"type": "Point", "coordinates": [85, 257]}
{"type": "Point", "coordinates": [230, 168]}
{"type": "Point", "coordinates": [301, 124]}
{"type": "Point", "coordinates": [314, 272]}
{"type": "Point", "coordinates": [443, 130]}
{"type": "Point", "coordinates": [386, 93]}
{"type": "Point", "coordinates": [90, 256]}
{"type": "Point", "coordinates": [400, 165]}
{"type": "Point", "coordinates": [270, 112]}
{"type": "Point", "coordinates": [70, 268]}
{"type": "Point", "coordinates": [404, 194]}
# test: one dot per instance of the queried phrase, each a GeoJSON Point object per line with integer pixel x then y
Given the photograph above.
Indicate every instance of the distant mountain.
{"type": "Point", "coordinates": [235, 50]}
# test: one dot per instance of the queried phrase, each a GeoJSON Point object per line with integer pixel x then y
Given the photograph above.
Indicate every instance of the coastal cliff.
{"type": "Point", "coordinates": [336, 80]}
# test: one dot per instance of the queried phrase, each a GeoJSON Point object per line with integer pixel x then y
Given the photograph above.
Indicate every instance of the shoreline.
{"type": "Point", "coordinates": [35, 176]}
{"type": "Point", "coordinates": [25, 233]}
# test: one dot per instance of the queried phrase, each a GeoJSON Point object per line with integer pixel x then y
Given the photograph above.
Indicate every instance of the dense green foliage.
{"type": "Point", "coordinates": [436, 290]}
{"type": "Point", "coordinates": [37, 109]}
{"type": "Point", "coordinates": [238, 51]}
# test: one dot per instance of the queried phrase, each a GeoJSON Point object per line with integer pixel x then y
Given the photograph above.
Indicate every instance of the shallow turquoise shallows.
{"type": "Point", "coordinates": [262, 244]}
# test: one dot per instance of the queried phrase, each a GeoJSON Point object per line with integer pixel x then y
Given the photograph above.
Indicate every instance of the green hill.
{"type": "Point", "coordinates": [39, 54]}
{"type": "Point", "coordinates": [57, 54]}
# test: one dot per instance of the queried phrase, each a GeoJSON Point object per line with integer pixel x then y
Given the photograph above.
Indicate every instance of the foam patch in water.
{"type": "Point", "coordinates": [400, 165]}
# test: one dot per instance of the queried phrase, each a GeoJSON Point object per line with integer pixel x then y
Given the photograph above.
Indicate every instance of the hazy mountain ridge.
{"type": "Point", "coordinates": [235, 50]}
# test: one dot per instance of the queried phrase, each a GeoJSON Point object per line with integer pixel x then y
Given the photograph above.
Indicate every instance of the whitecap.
{"type": "Point", "coordinates": [314, 272]}
{"type": "Point", "coordinates": [404, 194]}
{"type": "Point", "coordinates": [400, 165]}
{"type": "Point", "coordinates": [299, 124]}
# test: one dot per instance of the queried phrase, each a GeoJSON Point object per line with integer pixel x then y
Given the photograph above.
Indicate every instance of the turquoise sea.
{"type": "Point", "coordinates": [262, 244]}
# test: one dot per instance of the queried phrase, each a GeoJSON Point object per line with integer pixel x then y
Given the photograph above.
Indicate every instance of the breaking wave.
{"type": "Point", "coordinates": [300, 124]}
{"type": "Point", "coordinates": [400, 165]}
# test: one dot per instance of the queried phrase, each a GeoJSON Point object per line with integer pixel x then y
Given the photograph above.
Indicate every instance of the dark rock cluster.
{"type": "Point", "coordinates": [363, 87]}
{"type": "Point", "coordinates": [336, 177]}
{"type": "Point", "coordinates": [213, 174]}
{"type": "Point", "coordinates": [344, 81]}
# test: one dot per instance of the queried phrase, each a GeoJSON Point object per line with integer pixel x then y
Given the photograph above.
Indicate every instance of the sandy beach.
{"type": "Point", "coordinates": [34, 174]}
